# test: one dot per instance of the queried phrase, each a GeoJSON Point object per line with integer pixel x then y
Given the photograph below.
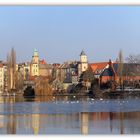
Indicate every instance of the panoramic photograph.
{"type": "Point", "coordinates": [69, 70]}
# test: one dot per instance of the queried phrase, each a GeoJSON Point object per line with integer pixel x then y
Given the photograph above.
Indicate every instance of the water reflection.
{"type": "Point", "coordinates": [84, 122]}
{"type": "Point", "coordinates": [22, 117]}
{"type": "Point", "coordinates": [80, 123]}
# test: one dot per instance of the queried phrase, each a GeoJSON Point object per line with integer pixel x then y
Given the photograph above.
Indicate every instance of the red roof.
{"type": "Point", "coordinates": [98, 66]}
{"type": "Point", "coordinates": [43, 62]}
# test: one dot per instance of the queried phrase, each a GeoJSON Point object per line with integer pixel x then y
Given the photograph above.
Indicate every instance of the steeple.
{"type": "Point", "coordinates": [83, 61]}
{"type": "Point", "coordinates": [82, 53]}
{"type": "Point", "coordinates": [35, 57]}
{"type": "Point", "coordinates": [35, 52]}
{"type": "Point", "coordinates": [83, 57]}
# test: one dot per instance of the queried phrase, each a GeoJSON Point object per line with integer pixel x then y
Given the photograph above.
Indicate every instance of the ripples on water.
{"type": "Point", "coordinates": [69, 115]}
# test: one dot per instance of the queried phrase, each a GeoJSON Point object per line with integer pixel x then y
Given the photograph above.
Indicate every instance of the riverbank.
{"type": "Point", "coordinates": [100, 93]}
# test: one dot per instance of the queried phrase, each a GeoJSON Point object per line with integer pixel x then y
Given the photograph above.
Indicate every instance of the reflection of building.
{"type": "Point", "coordinates": [84, 122]}
{"type": "Point", "coordinates": [120, 117]}
{"type": "Point", "coordinates": [35, 123]}
{"type": "Point", "coordinates": [11, 124]}
{"type": "Point", "coordinates": [1, 116]}
{"type": "Point", "coordinates": [1, 121]}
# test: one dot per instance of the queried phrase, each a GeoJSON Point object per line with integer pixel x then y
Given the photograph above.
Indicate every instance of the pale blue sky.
{"type": "Point", "coordinates": [60, 32]}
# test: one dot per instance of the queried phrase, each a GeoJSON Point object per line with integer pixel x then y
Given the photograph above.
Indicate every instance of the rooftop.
{"type": "Point", "coordinates": [82, 53]}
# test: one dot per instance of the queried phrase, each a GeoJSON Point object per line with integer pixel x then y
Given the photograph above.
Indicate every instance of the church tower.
{"type": "Point", "coordinates": [84, 61]}
{"type": "Point", "coordinates": [35, 57]}
{"type": "Point", "coordinates": [83, 65]}
{"type": "Point", "coordinates": [35, 64]}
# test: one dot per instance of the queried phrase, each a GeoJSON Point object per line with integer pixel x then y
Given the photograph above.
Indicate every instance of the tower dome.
{"type": "Point", "coordinates": [35, 52]}
{"type": "Point", "coordinates": [35, 57]}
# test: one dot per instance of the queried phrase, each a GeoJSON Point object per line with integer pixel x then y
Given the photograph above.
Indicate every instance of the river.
{"type": "Point", "coordinates": [69, 115]}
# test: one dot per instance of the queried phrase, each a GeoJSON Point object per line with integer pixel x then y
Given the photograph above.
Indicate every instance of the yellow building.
{"type": "Point", "coordinates": [34, 68]}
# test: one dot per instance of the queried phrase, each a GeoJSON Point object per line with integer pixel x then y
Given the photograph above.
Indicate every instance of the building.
{"type": "Point", "coordinates": [45, 69]}
{"type": "Point", "coordinates": [108, 71]}
{"type": "Point", "coordinates": [1, 77]}
{"type": "Point", "coordinates": [98, 68]}
{"type": "Point", "coordinates": [34, 67]}
{"type": "Point", "coordinates": [83, 64]}
{"type": "Point", "coordinates": [56, 71]}
{"type": "Point", "coordinates": [69, 73]}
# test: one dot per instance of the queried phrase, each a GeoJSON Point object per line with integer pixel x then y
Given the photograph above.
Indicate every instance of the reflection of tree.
{"type": "Point", "coordinates": [121, 123]}
{"type": "Point", "coordinates": [11, 124]}
{"type": "Point", "coordinates": [111, 121]}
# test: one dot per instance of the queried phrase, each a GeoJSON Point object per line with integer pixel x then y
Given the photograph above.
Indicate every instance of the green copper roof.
{"type": "Point", "coordinates": [35, 50]}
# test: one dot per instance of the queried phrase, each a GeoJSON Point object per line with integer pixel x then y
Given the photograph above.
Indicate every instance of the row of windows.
{"type": "Point", "coordinates": [36, 66]}
{"type": "Point", "coordinates": [35, 71]}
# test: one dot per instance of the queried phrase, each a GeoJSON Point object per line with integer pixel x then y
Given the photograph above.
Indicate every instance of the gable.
{"type": "Point", "coordinates": [107, 72]}
{"type": "Point", "coordinates": [98, 67]}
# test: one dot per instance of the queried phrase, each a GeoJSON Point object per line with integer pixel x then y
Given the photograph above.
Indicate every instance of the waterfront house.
{"type": "Point", "coordinates": [108, 71]}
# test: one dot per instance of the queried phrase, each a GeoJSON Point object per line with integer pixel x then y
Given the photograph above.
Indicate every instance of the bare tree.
{"type": "Point", "coordinates": [8, 72]}
{"type": "Point", "coordinates": [19, 80]}
{"type": "Point", "coordinates": [133, 58]}
{"type": "Point", "coordinates": [11, 69]}
{"type": "Point", "coordinates": [120, 68]}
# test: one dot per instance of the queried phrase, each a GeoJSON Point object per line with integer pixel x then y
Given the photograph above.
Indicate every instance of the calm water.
{"type": "Point", "coordinates": [69, 115]}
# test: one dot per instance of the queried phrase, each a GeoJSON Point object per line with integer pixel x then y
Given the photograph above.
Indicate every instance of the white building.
{"type": "Point", "coordinates": [83, 65]}
{"type": "Point", "coordinates": [1, 78]}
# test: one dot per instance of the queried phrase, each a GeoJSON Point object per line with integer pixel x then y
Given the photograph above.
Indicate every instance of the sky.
{"type": "Point", "coordinates": [60, 33]}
